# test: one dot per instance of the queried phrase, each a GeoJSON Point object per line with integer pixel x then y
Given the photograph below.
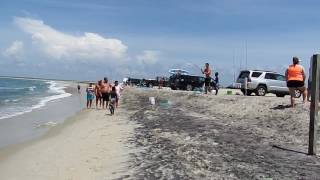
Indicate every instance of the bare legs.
{"type": "Point", "coordinates": [292, 95]}
{"type": "Point", "coordinates": [89, 103]}
{"type": "Point", "coordinates": [107, 103]}
{"type": "Point", "coordinates": [207, 89]}
{"type": "Point", "coordinates": [98, 102]}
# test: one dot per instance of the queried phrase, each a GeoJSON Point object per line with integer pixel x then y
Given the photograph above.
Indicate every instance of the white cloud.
{"type": "Point", "coordinates": [149, 57]}
{"type": "Point", "coordinates": [15, 50]}
{"type": "Point", "coordinates": [59, 45]}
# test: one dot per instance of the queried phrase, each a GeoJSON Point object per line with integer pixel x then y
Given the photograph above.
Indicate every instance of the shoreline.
{"type": "Point", "coordinates": [30, 125]}
{"type": "Point", "coordinates": [88, 145]}
{"type": "Point", "coordinates": [44, 79]}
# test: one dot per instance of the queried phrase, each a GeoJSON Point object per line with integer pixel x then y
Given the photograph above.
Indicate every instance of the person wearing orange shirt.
{"type": "Point", "coordinates": [296, 77]}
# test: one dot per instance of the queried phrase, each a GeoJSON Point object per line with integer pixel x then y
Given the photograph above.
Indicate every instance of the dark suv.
{"type": "Point", "coordinates": [186, 82]}
{"type": "Point", "coordinates": [151, 82]}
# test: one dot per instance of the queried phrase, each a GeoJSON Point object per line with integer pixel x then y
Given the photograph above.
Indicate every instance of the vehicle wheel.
{"type": "Point", "coordinates": [173, 88]}
{"type": "Point", "coordinates": [297, 93]}
{"type": "Point", "coordinates": [261, 90]}
{"type": "Point", "coordinates": [189, 87]}
{"type": "Point", "coordinates": [280, 95]}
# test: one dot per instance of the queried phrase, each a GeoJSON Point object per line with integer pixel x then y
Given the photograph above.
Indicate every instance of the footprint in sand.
{"type": "Point", "coordinates": [96, 168]}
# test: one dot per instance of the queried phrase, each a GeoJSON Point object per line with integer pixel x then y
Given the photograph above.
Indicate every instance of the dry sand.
{"type": "Point", "coordinates": [183, 136]}
{"type": "Point", "coordinates": [191, 136]}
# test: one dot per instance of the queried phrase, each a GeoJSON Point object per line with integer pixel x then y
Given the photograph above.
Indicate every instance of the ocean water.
{"type": "Point", "coordinates": [19, 96]}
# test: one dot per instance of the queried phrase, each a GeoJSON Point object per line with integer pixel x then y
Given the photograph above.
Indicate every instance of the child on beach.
{"type": "Point", "coordinates": [90, 95]}
{"type": "Point", "coordinates": [216, 82]}
{"type": "Point", "coordinates": [113, 100]}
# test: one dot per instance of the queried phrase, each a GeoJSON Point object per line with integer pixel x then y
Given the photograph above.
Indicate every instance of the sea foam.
{"type": "Point", "coordinates": [54, 88]}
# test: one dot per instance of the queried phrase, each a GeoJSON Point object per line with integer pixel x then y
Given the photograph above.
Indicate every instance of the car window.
{"type": "Point", "coordinates": [270, 76]}
{"type": "Point", "coordinates": [244, 74]}
{"type": "Point", "coordinates": [256, 74]}
{"type": "Point", "coordinates": [280, 77]}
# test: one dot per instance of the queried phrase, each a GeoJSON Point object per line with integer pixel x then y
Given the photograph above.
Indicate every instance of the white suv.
{"type": "Point", "coordinates": [263, 82]}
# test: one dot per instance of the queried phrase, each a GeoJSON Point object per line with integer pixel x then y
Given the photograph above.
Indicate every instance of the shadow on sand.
{"type": "Point", "coordinates": [290, 150]}
{"type": "Point", "coordinates": [281, 107]}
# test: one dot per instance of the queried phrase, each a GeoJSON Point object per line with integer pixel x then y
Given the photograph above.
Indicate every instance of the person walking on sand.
{"type": "Point", "coordinates": [113, 100]}
{"type": "Point", "coordinates": [216, 82]}
{"type": "Point", "coordinates": [295, 76]}
{"type": "Point", "coordinates": [105, 93]}
{"type": "Point", "coordinates": [90, 95]}
{"type": "Point", "coordinates": [98, 94]}
{"type": "Point", "coordinates": [207, 73]}
{"type": "Point", "coordinates": [118, 90]}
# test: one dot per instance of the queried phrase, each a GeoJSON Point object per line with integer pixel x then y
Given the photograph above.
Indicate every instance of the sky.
{"type": "Point", "coordinates": [92, 39]}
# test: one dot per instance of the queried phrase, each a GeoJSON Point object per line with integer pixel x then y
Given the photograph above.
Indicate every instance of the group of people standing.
{"type": "Point", "coordinates": [105, 93]}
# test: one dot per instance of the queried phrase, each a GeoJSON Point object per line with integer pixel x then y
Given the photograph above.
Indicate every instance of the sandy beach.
{"type": "Point", "coordinates": [185, 135]}
{"type": "Point", "coordinates": [90, 145]}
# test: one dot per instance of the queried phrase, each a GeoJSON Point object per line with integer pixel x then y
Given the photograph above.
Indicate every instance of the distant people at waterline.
{"type": "Point", "coordinates": [107, 95]}
{"type": "Point", "coordinates": [207, 74]}
{"type": "Point", "coordinates": [90, 95]}
{"type": "Point", "coordinates": [295, 75]}
{"type": "Point", "coordinates": [79, 87]}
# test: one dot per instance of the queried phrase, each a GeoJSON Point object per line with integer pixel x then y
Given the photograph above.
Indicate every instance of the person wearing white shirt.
{"type": "Point", "coordinates": [119, 89]}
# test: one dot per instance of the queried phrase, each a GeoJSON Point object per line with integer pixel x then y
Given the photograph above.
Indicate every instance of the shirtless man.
{"type": "Point", "coordinates": [98, 94]}
{"type": "Point", "coordinates": [105, 92]}
{"type": "Point", "coordinates": [207, 73]}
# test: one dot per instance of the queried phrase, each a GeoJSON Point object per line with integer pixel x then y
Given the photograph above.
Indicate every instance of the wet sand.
{"type": "Point", "coordinates": [185, 135]}
{"type": "Point", "coordinates": [90, 145]}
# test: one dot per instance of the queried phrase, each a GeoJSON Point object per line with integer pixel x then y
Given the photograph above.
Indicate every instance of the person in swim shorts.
{"type": "Point", "coordinates": [207, 73]}
{"type": "Point", "coordinates": [113, 100]}
{"type": "Point", "coordinates": [295, 76]}
{"type": "Point", "coordinates": [98, 93]}
{"type": "Point", "coordinates": [105, 93]}
{"type": "Point", "coordinates": [90, 95]}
